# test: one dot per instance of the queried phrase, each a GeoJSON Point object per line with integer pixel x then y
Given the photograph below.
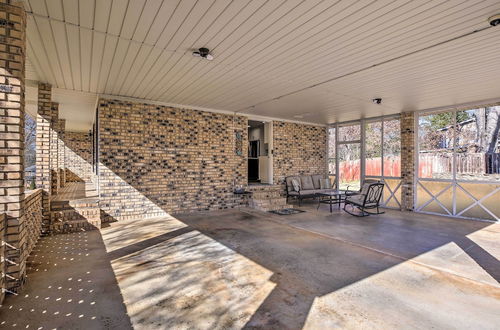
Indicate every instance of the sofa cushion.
{"type": "Point", "coordinates": [356, 199]}
{"type": "Point", "coordinates": [289, 184]}
{"type": "Point", "coordinates": [316, 180]}
{"type": "Point", "coordinates": [311, 192]}
{"type": "Point", "coordinates": [306, 182]}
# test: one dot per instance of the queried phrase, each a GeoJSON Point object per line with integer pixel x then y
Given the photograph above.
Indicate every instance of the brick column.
{"type": "Point", "coordinates": [43, 174]}
{"type": "Point", "coordinates": [61, 151]}
{"type": "Point", "coordinates": [54, 146]}
{"type": "Point", "coordinates": [12, 58]}
{"type": "Point", "coordinates": [408, 160]}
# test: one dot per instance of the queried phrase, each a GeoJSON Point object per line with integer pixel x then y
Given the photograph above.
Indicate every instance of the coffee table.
{"type": "Point", "coordinates": [332, 197]}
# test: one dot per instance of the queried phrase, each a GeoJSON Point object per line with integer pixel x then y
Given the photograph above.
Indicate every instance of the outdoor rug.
{"type": "Point", "coordinates": [286, 211]}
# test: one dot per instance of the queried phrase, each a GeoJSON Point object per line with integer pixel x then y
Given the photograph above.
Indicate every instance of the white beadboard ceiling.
{"type": "Point", "coordinates": [319, 61]}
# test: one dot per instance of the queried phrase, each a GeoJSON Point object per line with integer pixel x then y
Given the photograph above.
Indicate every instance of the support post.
{"type": "Point", "coordinates": [408, 161]}
{"type": "Point", "coordinates": [54, 144]}
{"type": "Point", "coordinates": [61, 152]}
{"type": "Point", "coordinates": [12, 84]}
{"type": "Point", "coordinates": [43, 152]}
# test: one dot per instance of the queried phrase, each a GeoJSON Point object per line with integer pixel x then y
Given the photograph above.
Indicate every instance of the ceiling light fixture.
{"type": "Point", "coordinates": [494, 20]}
{"type": "Point", "coordinates": [203, 52]}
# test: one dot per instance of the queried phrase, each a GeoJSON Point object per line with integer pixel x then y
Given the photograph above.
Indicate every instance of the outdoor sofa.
{"type": "Point", "coordinates": [309, 186]}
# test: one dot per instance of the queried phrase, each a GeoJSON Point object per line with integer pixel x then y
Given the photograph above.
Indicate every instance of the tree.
{"type": "Point", "coordinates": [490, 143]}
{"type": "Point", "coordinates": [29, 141]}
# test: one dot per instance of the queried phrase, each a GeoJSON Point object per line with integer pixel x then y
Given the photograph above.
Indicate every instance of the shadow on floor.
{"type": "Point", "coordinates": [239, 269]}
{"type": "Point", "coordinates": [71, 285]}
{"type": "Point", "coordinates": [306, 266]}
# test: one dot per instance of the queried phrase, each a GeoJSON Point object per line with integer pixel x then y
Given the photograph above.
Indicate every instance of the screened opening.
{"type": "Point", "coordinates": [367, 149]}
{"type": "Point", "coordinates": [459, 163]}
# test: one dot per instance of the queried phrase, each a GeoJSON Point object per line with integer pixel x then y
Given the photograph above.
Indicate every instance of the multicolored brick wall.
{"type": "Point", "coordinates": [78, 157]}
{"type": "Point", "coordinates": [61, 152]}
{"type": "Point", "coordinates": [12, 110]}
{"type": "Point", "coordinates": [33, 219]}
{"type": "Point", "coordinates": [408, 160]}
{"type": "Point", "coordinates": [54, 152]}
{"type": "Point", "coordinates": [155, 159]}
{"type": "Point", "coordinates": [43, 128]}
{"type": "Point", "coordinates": [3, 264]}
{"type": "Point", "coordinates": [298, 149]}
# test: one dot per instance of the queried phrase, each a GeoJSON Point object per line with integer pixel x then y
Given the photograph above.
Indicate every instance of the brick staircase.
{"type": "Point", "coordinates": [75, 215]}
{"type": "Point", "coordinates": [75, 208]}
{"type": "Point", "coordinates": [267, 198]}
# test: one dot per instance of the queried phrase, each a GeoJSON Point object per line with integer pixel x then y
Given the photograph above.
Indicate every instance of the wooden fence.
{"type": "Point", "coordinates": [351, 170]}
{"type": "Point", "coordinates": [429, 165]}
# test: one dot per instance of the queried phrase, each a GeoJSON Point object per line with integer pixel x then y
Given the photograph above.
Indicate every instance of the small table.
{"type": "Point", "coordinates": [333, 197]}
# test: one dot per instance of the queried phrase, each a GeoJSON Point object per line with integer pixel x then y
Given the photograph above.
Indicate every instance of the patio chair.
{"type": "Point", "coordinates": [367, 199]}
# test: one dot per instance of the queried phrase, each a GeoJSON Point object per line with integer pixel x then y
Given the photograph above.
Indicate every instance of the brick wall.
{"type": "Point", "coordinates": [3, 284]}
{"type": "Point", "coordinates": [156, 159]}
{"type": "Point", "coordinates": [78, 157]}
{"type": "Point", "coordinates": [54, 146]}
{"type": "Point", "coordinates": [33, 219]}
{"type": "Point", "coordinates": [408, 160]}
{"type": "Point", "coordinates": [61, 152]}
{"type": "Point", "coordinates": [12, 58]}
{"type": "Point", "coordinates": [298, 149]}
{"type": "Point", "coordinates": [43, 173]}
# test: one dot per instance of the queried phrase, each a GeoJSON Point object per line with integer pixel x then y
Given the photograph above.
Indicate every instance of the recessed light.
{"type": "Point", "coordinates": [302, 115]}
{"type": "Point", "coordinates": [494, 20]}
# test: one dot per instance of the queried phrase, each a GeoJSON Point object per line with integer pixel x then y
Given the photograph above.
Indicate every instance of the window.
{"type": "Point", "coordinates": [367, 149]}
{"type": "Point", "coordinates": [373, 148]}
{"type": "Point", "coordinates": [435, 140]}
{"type": "Point", "coordinates": [392, 147]}
{"type": "Point", "coordinates": [350, 132]}
{"type": "Point", "coordinates": [477, 147]}
{"type": "Point", "coordinates": [459, 163]}
{"type": "Point", "coordinates": [349, 156]}
{"type": "Point", "coordinates": [331, 151]}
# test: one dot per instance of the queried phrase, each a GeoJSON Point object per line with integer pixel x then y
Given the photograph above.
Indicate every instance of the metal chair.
{"type": "Point", "coordinates": [366, 200]}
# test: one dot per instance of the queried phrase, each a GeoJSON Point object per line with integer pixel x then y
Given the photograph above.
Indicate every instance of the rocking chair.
{"type": "Point", "coordinates": [368, 199]}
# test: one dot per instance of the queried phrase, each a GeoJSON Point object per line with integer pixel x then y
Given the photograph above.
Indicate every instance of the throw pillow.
{"type": "Point", "coordinates": [325, 184]}
{"type": "Point", "coordinates": [296, 185]}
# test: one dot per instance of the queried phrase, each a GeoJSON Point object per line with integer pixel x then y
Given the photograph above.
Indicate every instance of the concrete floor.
{"type": "Point", "coordinates": [234, 269]}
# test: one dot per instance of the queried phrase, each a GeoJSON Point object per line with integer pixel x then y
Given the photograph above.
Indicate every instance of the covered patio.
{"type": "Point", "coordinates": [248, 269]}
{"type": "Point", "coordinates": [170, 164]}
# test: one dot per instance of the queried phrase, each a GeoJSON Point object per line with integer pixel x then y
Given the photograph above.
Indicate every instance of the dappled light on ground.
{"type": "Point", "coordinates": [70, 286]}
{"type": "Point", "coordinates": [248, 269]}
{"type": "Point", "coordinates": [184, 281]}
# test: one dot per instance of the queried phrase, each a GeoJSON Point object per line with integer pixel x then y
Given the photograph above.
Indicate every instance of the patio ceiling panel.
{"type": "Point", "coordinates": [344, 63]}
{"type": "Point", "coordinates": [333, 52]}
{"type": "Point", "coordinates": [271, 54]}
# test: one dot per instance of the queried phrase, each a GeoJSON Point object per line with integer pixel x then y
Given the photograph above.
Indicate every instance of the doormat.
{"type": "Point", "coordinates": [286, 211]}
